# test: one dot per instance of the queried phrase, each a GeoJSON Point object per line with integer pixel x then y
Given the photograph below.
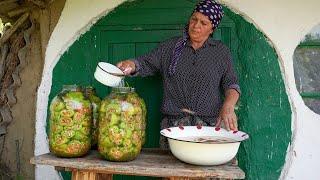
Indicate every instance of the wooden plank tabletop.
{"type": "Point", "coordinates": [150, 162]}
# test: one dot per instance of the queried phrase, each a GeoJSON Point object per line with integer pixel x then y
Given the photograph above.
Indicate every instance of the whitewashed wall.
{"type": "Point", "coordinates": [285, 22]}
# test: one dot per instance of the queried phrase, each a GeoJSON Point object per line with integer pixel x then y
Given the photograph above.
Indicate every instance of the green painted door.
{"type": "Point", "coordinates": [132, 29]}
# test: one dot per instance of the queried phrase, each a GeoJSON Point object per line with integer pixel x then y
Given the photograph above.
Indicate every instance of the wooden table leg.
{"type": "Point", "coordinates": [89, 175]}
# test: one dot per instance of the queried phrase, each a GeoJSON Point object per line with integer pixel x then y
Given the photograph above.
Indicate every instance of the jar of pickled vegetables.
{"type": "Point", "coordinates": [95, 101]}
{"type": "Point", "coordinates": [122, 124]}
{"type": "Point", "coordinates": [70, 123]}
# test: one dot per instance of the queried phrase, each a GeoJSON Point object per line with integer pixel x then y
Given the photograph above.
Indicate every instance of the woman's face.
{"type": "Point", "coordinates": [200, 27]}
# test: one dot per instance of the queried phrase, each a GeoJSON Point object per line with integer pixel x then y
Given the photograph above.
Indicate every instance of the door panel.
{"type": "Point", "coordinates": [150, 88]}
{"type": "Point", "coordinates": [120, 51]}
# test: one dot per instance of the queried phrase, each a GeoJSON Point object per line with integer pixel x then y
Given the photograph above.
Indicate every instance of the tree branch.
{"type": "Point", "coordinates": [39, 3]}
{"type": "Point", "coordinates": [5, 18]}
{"type": "Point", "coordinates": [3, 3]}
{"type": "Point", "coordinates": [13, 29]}
{"type": "Point", "coordinates": [18, 11]}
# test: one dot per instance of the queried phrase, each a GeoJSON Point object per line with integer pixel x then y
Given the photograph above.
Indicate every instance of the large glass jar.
{"type": "Point", "coordinates": [90, 93]}
{"type": "Point", "coordinates": [122, 124]}
{"type": "Point", "coordinates": [70, 123]}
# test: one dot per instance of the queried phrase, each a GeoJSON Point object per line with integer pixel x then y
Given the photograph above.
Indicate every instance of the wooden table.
{"type": "Point", "coordinates": [150, 162]}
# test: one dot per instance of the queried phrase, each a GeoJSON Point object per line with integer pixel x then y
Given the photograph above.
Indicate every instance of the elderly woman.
{"type": "Point", "coordinates": [195, 70]}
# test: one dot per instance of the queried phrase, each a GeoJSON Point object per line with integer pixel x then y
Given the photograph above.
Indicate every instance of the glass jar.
{"type": "Point", "coordinates": [122, 124]}
{"type": "Point", "coordinates": [70, 123]}
{"type": "Point", "coordinates": [95, 101]}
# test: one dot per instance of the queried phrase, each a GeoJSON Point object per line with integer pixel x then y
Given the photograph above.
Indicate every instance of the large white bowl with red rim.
{"type": "Point", "coordinates": [203, 145]}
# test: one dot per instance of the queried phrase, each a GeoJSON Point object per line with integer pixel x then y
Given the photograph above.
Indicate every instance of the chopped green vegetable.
{"type": "Point", "coordinates": [122, 122]}
{"type": "Point", "coordinates": [70, 124]}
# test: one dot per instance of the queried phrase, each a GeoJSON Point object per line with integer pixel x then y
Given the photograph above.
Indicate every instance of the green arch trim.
{"type": "Point", "coordinates": [264, 110]}
{"type": "Point", "coordinates": [266, 115]}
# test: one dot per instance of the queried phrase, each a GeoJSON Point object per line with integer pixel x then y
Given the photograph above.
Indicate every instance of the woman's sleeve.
{"type": "Point", "coordinates": [229, 78]}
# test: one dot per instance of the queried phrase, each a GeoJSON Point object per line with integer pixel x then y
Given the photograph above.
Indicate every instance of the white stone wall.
{"type": "Point", "coordinates": [284, 22]}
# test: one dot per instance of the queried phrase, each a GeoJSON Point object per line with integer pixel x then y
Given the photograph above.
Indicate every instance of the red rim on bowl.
{"type": "Point", "coordinates": [181, 133]}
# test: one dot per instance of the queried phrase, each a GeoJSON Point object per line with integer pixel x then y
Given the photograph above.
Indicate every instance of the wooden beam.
{"type": "Point", "coordinates": [13, 29]}
{"type": "Point", "coordinates": [39, 3]}
{"type": "Point", "coordinates": [44, 21]}
{"type": "Point", "coordinates": [49, 1]}
{"type": "Point", "coordinates": [18, 11]}
{"type": "Point", "coordinates": [3, 3]}
{"type": "Point", "coordinates": [4, 51]}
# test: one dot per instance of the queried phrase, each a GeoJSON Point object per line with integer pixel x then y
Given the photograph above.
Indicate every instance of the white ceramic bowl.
{"type": "Point", "coordinates": [101, 74]}
{"type": "Point", "coordinates": [203, 145]}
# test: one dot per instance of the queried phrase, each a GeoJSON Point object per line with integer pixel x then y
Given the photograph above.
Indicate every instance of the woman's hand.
{"type": "Point", "coordinates": [128, 67]}
{"type": "Point", "coordinates": [228, 117]}
{"type": "Point", "coordinates": [227, 114]}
